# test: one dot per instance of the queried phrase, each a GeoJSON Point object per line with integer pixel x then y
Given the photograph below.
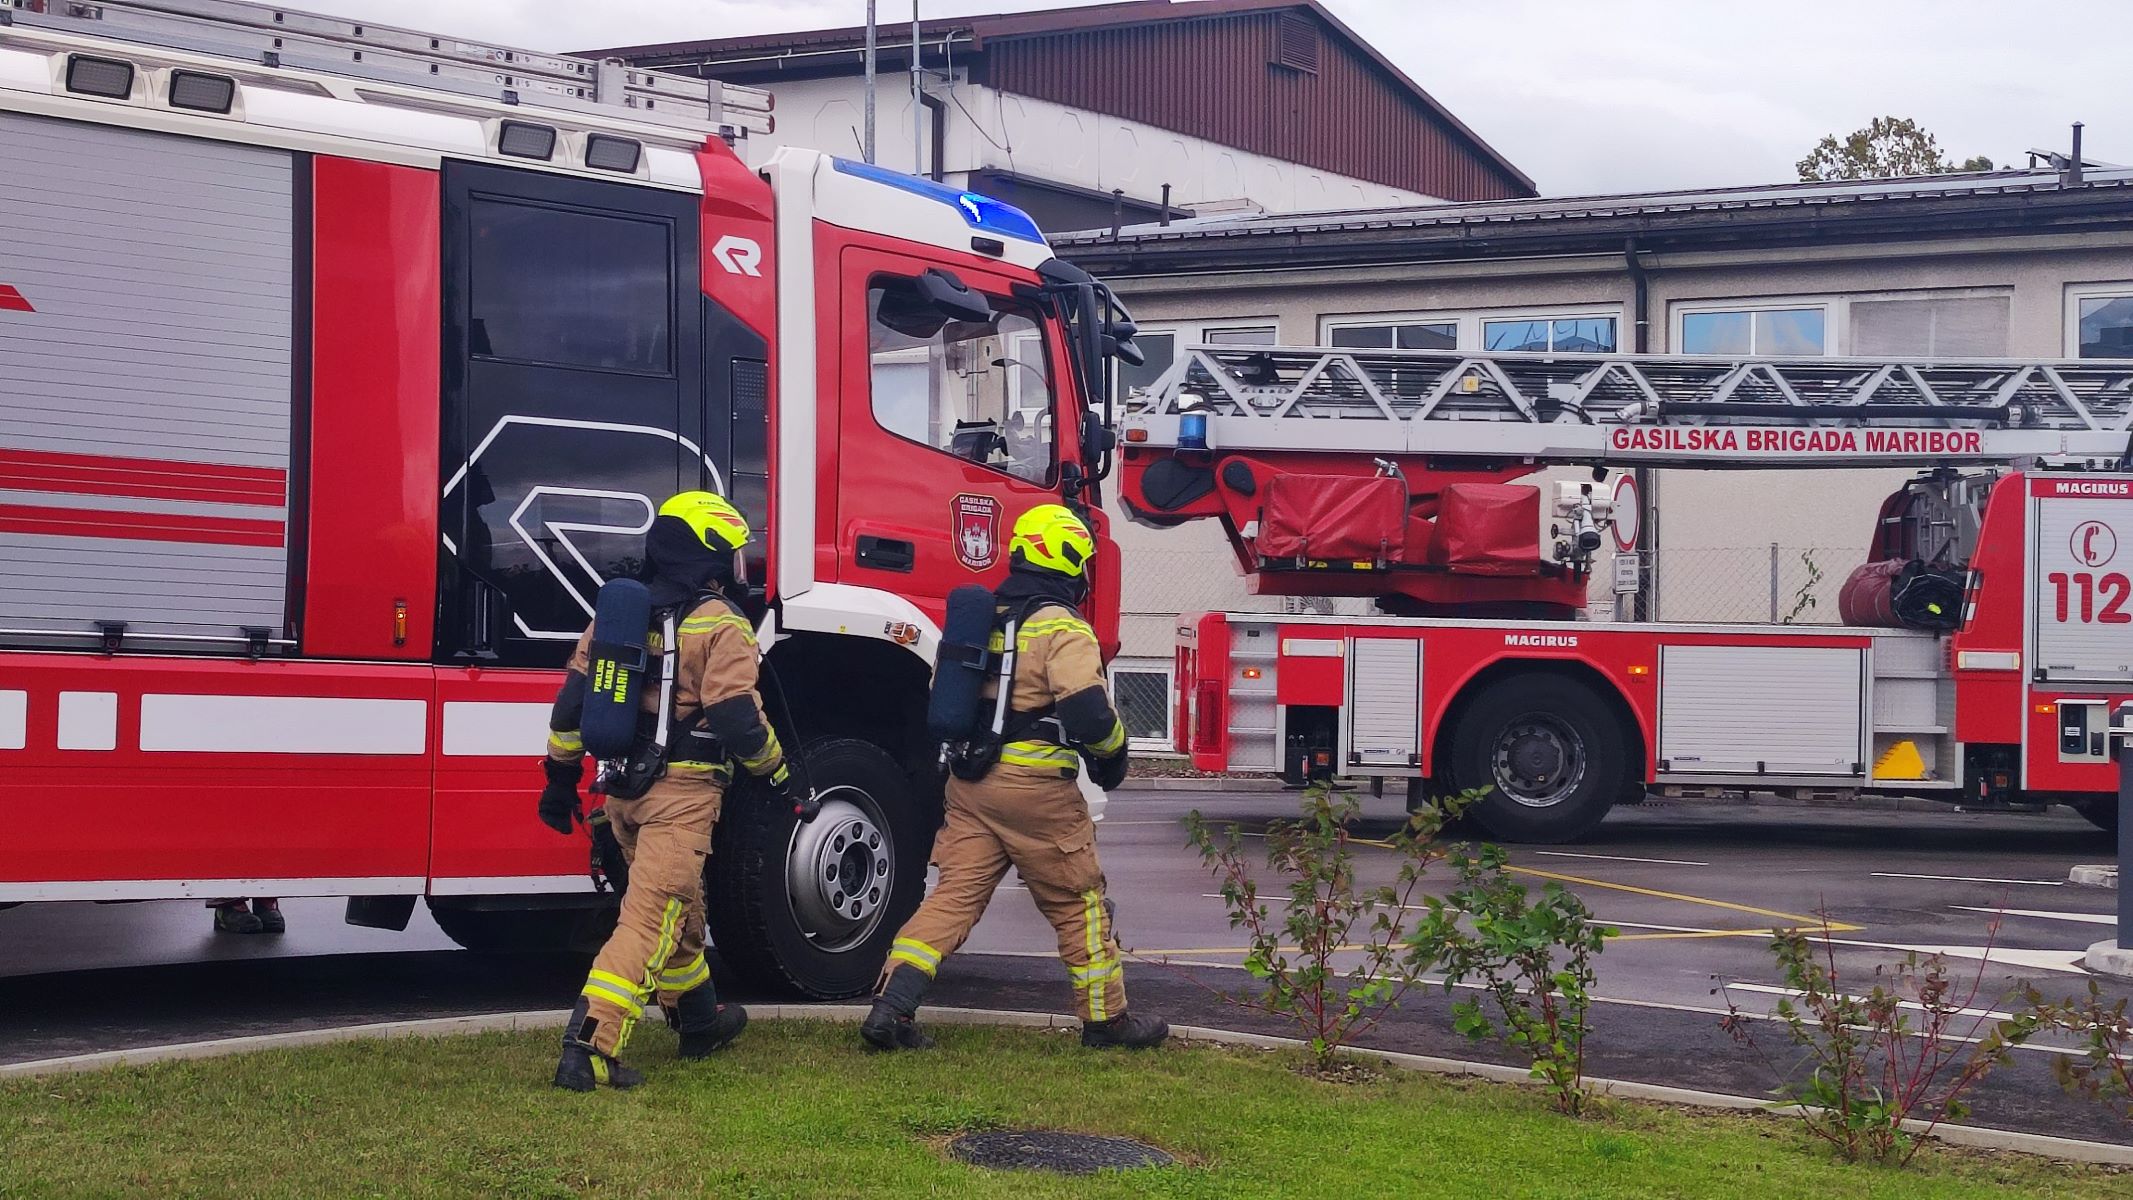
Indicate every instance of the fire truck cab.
{"type": "Point", "coordinates": [341, 365]}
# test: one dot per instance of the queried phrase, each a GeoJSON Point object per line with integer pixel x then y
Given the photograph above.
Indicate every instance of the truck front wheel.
{"type": "Point", "coordinates": [1548, 752]}
{"type": "Point", "coordinates": [811, 908]}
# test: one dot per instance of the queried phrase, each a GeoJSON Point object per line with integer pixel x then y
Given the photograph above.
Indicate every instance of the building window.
{"type": "Point", "coordinates": [979, 391]}
{"type": "Point", "coordinates": [1556, 335]}
{"type": "Point", "coordinates": [1754, 332]}
{"type": "Point", "coordinates": [1141, 688]}
{"type": "Point", "coordinates": [1402, 335]}
{"type": "Point", "coordinates": [1160, 348]}
{"type": "Point", "coordinates": [1932, 327]}
{"type": "Point", "coordinates": [2099, 322]}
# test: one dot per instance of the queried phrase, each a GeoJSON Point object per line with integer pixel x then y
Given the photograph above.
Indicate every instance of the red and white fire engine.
{"type": "Point", "coordinates": [340, 364]}
{"type": "Point", "coordinates": [1981, 655]}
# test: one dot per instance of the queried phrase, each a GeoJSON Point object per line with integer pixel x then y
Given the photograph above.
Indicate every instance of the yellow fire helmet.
{"type": "Point", "coordinates": [1052, 537]}
{"type": "Point", "coordinates": [720, 525]}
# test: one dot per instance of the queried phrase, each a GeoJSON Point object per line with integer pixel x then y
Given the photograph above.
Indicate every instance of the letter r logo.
{"type": "Point", "coordinates": [738, 255]}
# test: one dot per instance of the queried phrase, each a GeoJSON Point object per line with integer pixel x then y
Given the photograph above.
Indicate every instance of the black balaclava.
{"type": "Point", "coordinates": [678, 567]}
{"type": "Point", "coordinates": [1028, 582]}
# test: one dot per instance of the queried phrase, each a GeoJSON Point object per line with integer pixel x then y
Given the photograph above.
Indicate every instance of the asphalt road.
{"type": "Point", "coordinates": [1693, 887]}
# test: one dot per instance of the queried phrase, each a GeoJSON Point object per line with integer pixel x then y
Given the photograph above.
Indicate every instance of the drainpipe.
{"type": "Point", "coordinates": [937, 109]}
{"type": "Point", "coordinates": [1645, 605]}
{"type": "Point", "coordinates": [1165, 219]}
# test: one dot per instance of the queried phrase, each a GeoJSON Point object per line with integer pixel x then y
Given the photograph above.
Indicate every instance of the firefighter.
{"type": "Point", "coordinates": [657, 949]}
{"type": "Point", "coordinates": [1026, 811]}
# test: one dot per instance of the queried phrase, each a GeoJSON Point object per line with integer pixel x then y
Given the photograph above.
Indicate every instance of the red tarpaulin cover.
{"type": "Point", "coordinates": [1488, 529]}
{"type": "Point", "coordinates": [1333, 516]}
{"type": "Point", "coordinates": [1867, 596]}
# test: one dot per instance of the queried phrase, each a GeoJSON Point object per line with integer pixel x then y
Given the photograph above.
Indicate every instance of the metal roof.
{"type": "Point", "coordinates": [1320, 238]}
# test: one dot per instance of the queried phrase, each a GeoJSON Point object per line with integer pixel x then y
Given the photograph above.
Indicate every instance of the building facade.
{"type": "Point", "coordinates": [1120, 113]}
{"type": "Point", "coordinates": [2009, 264]}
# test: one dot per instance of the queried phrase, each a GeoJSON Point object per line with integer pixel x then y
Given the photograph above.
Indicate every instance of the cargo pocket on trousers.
{"type": "Point", "coordinates": [1079, 871]}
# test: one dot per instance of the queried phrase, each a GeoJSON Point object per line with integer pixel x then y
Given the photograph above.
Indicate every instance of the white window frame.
{"type": "Point", "coordinates": [1835, 320]}
{"type": "Point", "coordinates": [1573, 312]}
{"type": "Point", "coordinates": [2070, 337]}
{"type": "Point", "coordinates": [1470, 320]}
{"type": "Point", "coordinates": [1194, 333]}
{"type": "Point", "coordinates": [1166, 743]}
{"type": "Point", "coordinates": [1837, 310]}
{"type": "Point", "coordinates": [1327, 324]}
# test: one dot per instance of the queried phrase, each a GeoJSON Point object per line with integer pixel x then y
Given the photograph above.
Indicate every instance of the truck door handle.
{"type": "Point", "coordinates": [886, 554]}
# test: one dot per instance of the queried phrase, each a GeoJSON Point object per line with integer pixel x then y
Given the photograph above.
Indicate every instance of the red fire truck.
{"type": "Point", "coordinates": [340, 364]}
{"type": "Point", "coordinates": [1997, 629]}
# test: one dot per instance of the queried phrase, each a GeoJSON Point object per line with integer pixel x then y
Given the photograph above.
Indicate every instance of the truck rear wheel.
{"type": "Point", "coordinates": [1549, 753]}
{"type": "Point", "coordinates": [811, 908]}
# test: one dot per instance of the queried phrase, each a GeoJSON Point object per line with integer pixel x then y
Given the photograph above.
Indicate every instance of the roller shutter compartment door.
{"type": "Point", "coordinates": [146, 298]}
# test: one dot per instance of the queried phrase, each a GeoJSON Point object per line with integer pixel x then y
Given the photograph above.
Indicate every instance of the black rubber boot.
{"type": "Point", "coordinates": [1130, 1030]}
{"type": "Point", "coordinates": [704, 1024]}
{"type": "Point", "coordinates": [582, 1068]}
{"type": "Point", "coordinates": [890, 1025]}
{"type": "Point", "coordinates": [234, 917]}
{"type": "Point", "coordinates": [270, 918]}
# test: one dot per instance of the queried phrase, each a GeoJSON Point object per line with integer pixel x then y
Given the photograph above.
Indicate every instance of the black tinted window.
{"type": "Point", "coordinates": [574, 289]}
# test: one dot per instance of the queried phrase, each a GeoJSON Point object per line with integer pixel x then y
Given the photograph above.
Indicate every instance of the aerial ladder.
{"type": "Point", "coordinates": [1999, 635]}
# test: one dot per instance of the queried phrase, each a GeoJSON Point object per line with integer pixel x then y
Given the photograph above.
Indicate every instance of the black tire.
{"type": "Point", "coordinates": [1549, 752]}
{"type": "Point", "coordinates": [770, 922]}
{"type": "Point", "coordinates": [526, 930]}
{"type": "Point", "coordinates": [2103, 814]}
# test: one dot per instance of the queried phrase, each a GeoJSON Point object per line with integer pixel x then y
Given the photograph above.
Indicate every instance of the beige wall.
{"type": "Point", "coordinates": [1718, 524]}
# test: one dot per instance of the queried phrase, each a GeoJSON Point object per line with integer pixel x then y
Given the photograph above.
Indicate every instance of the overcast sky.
{"type": "Point", "coordinates": [1584, 95]}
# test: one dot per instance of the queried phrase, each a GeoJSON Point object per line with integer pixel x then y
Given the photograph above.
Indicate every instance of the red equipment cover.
{"type": "Point", "coordinates": [1868, 595]}
{"type": "Point", "coordinates": [1488, 529]}
{"type": "Point", "coordinates": [1333, 516]}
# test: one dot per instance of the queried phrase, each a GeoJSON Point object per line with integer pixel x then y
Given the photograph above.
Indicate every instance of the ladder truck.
{"type": "Point", "coordinates": [341, 364]}
{"type": "Point", "coordinates": [1387, 475]}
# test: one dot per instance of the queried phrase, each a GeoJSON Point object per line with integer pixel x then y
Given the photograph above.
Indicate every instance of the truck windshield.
{"type": "Point", "coordinates": [979, 391]}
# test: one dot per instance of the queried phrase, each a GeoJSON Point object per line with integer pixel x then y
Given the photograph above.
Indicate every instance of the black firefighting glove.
{"type": "Point", "coordinates": [1108, 773]}
{"type": "Point", "coordinates": [560, 807]}
{"type": "Point", "coordinates": [806, 807]}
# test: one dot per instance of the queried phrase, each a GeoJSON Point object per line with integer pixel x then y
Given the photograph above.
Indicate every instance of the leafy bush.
{"type": "Point", "coordinates": [1911, 1047]}
{"type": "Point", "coordinates": [1325, 911]}
{"type": "Point", "coordinates": [1531, 957]}
{"type": "Point", "coordinates": [2103, 1071]}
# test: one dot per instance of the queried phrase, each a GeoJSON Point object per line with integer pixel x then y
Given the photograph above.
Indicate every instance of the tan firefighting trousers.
{"type": "Point", "coordinates": [1038, 822]}
{"type": "Point", "coordinates": [657, 949]}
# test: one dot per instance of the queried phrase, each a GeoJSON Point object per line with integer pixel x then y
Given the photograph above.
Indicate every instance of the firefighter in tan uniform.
{"type": "Point", "coordinates": [1026, 811]}
{"type": "Point", "coordinates": [657, 949]}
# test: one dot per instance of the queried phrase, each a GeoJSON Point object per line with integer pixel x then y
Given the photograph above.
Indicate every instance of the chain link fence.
{"type": "Point", "coordinates": [1762, 584]}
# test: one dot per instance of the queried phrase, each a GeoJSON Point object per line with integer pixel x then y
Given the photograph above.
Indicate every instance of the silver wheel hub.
{"type": "Point", "coordinates": [1538, 761]}
{"type": "Point", "coordinates": [839, 871]}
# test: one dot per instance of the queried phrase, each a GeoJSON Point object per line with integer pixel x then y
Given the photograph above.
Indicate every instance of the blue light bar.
{"type": "Point", "coordinates": [979, 212]}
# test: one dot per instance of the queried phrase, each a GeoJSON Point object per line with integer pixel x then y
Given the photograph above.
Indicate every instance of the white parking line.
{"type": "Point", "coordinates": [1971, 879]}
{"type": "Point", "coordinates": [2084, 918]}
{"type": "Point", "coordinates": [1668, 862]}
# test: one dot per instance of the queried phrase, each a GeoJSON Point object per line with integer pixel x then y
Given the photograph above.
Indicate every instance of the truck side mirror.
{"type": "Point", "coordinates": [953, 298]}
{"type": "Point", "coordinates": [1096, 437]}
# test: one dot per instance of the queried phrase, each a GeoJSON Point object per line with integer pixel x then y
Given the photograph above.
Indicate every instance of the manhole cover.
{"type": "Point", "coordinates": [1066, 1153]}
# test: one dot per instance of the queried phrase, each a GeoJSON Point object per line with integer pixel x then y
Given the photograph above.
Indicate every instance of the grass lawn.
{"type": "Point", "coordinates": [796, 1110]}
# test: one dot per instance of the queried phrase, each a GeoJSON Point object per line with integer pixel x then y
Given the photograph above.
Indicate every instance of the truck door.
{"type": "Point", "coordinates": [949, 430]}
{"type": "Point", "coordinates": [573, 406]}
{"type": "Point", "coordinates": [2081, 621]}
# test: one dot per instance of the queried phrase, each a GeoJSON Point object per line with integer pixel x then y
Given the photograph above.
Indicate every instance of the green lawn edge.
{"type": "Point", "coordinates": [796, 1109]}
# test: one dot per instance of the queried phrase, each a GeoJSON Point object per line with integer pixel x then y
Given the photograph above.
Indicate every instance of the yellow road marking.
{"type": "Point", "coordinates": [1816, 924]}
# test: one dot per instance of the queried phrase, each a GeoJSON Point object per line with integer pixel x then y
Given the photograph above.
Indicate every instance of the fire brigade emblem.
{"type": "Point", "coordinates": [977, 531]}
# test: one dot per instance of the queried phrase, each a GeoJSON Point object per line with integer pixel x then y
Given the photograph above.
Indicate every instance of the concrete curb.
{"type": "Point", "coordinates": [2103, 876]}
{"type": "Point", "coordinates": [2107, 957]}
{"type": "Point", "coordinates": [1957, 1135]}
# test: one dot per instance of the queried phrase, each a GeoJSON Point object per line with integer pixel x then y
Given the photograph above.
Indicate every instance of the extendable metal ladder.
{"type": "Point", "coordinates": [1606, 409]}
{"type": "Point", "coordinates": [271, 36]}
